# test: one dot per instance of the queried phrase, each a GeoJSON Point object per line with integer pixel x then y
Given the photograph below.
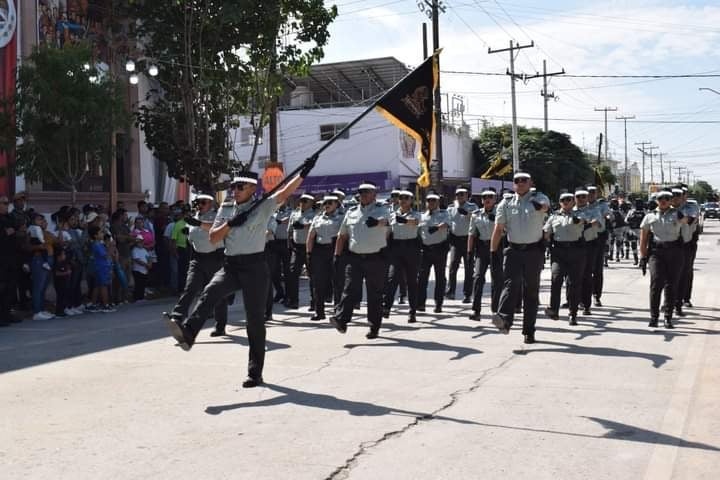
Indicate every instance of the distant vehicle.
{"type": "Point", "coordinates": [711, 210]}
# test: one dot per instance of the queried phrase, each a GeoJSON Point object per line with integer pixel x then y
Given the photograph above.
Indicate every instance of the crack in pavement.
{"type": "Point", "coordinates": [343, 471]}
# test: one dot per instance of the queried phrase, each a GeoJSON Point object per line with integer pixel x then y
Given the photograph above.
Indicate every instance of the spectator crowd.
{"type": "Point", "coordinates": [88, 259]}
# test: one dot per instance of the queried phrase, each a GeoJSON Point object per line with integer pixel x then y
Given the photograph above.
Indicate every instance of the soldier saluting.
{"type": "Point", "coordinates": [364, 230]}
{"type": "Point", "coordinates": [244, 268]}
{"type": "Point", "coordinates": [661, 249]}
{"type": "Point", "coordinates": [522, 217]}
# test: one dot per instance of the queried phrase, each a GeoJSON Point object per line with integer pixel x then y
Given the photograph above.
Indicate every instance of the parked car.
{"type": "Point", "coordinates": [711, 210]}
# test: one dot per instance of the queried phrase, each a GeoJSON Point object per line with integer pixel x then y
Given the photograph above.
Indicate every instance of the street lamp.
{"type": "Point", "coordinates": [709, 90]}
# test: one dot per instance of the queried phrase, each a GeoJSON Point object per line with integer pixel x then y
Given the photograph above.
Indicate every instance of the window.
{"type": "Point", "coordinates": [247, 137]}
{"type": "Point", "coordinates": [329, 131]}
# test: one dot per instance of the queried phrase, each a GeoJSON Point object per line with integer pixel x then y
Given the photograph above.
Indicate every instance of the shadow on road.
{"type": "Point", "coordinates": [656, 359]}
{"type": "Point", "coordinates": [460, 352]}
{"type": "Point", "coordinates": [329, 402]}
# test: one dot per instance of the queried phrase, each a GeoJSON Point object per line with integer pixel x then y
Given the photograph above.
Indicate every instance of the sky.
{"type": "Point", "coordinates": [583, 38]}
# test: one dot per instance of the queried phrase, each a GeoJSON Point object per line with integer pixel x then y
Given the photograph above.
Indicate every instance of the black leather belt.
{"type": "Point", "coordinates": [245, 258]}
{"type": "Point", "coordinates": [366, 256]}
{"type": "Point", "coordinates": [525, 246]}
{"type": "Point", "coordinates": [216, 253]}
{"type": "Point", "coordinates": [662, 245]}
{"type": "Point", "coordinates": [577, 243]}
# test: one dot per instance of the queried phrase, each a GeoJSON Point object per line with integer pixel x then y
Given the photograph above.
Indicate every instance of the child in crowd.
{"type": "Point", "coordinates": [37, 237]}
{"type": "Point", "coordinates": [103, 268]}
{"type": "Point", "coordinates": [140, 268]}
{"type": "Point", "coordinates": [62, 272]}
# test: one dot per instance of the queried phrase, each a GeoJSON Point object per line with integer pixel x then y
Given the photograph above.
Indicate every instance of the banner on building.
{"type": "Point", "coordinates": [409, 106]}
{"type": "Point", "coordinates": [8, 64]}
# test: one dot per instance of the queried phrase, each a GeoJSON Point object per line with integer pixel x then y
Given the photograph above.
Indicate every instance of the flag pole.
{"type": "Point", "coordinates": [339, 134]}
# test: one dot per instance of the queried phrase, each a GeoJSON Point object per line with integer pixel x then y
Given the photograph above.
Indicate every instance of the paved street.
{"type": "Point", "coordinates": [110, 396]}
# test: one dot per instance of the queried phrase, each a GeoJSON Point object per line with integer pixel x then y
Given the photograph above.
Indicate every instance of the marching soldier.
{"type": "Point", "coordinates": [692, 211]}
{"type": "Point", "coordinates": [434, 226]}
{"type": "Point", "coordinates": [480, 231]}
{"type": "Point", "coordinates": [206, 260]}
{"type": "Point", "coordinates": [661, 249]}
{"type": "Point", "coordinates": [298, 227]}
{"type": "Point", "coordinates": [404, 254]}
{"type": "Point", "coordinates": [244, 267]}
{"type": "Point", "coordinates": [522, 218]}
{"type": "Point", "coordinates": [619, 230]}
{"type": "Point", "coordinates": [280, 267]}
{"type": "Point", "coordinates": [364, 230]}
{"type": "Point", "coordinates": [460, 212]}
{"type": "Point", "coordinates": [689, 247]}
{"type": "Point", "coordinates": [320, 249]}
{"type": "Point", "coordinates": [603, 235]}
{"type": "Point", "coordinates": [564, 231]}
{"type": "Point", "coordinates": [633, 219]}
{"type": "Point", "coordinates": [594, 248]}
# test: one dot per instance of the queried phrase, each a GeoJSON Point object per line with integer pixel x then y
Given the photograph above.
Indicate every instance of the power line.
{"type": "Point", "coordinates": [687, 75]}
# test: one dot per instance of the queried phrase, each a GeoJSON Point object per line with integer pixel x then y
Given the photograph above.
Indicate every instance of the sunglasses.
{"type": "Point", "coordinates": [521, 180]}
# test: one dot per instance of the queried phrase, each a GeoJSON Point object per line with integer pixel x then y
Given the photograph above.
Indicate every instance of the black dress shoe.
{"type": "Point", "coordinates": [386, 313]}
{"type": "Point", "coordinates": [420, 309]}
{"type": "Point", "coordinates": [597, 302]}
{"type": "Point", "coordinates": [311, 308]}
{"type": "Point", "coordinates": [475, 315]}
{"type": "Point", "coordinates": [688, 304]}
{"type": "Point", "coordinates": [529, 339]}
{"type": "Point", "coordinates": [292, 306]}
{"type": "Point", "coordinates": [251, 382]}
{"type": "Point", "coordinates": [179, 333]}
{"type": "Point", "coordinates": [467, 300]}
{"type": "Point", "coordinates": [552, 314]}
{"type": "Point", "coordinates": [402, 300]}
{"type": "Point", "coordinates": [372, 334]}
{"type": "Point", "coordinates": [339, 325]}
{"type": "Point", "coordinates": [518, 309]}
{"type": "Point", "coordinates": [450, 296]}
{"type": "Point", "coordinates": [268, 318]}
{"type": "Point", "coordinates": [357, 306]}
{"type": "Point", "coordinates": [438, 309]}
{"type": "Point", "coordinates": [411, 318]}
{"type": "Point", "coordinates": [679, 312]}
{"type": "Point", "coordinates": [587, 312]}
{"type": "Point", "coordinates": [500, 324]}
{"type": "Point", "coordinates": [668, 324]}
{"type": "Point", "coordinates": [218, 333]}
{"type": "Point", "coordinates": [573, 320]}
{"type": "Point", "coordinates": [316, 318]}
{"type": "Point", "coordinates": [565, 305]}
{"type": "Point", "coordinates": [653, 323]}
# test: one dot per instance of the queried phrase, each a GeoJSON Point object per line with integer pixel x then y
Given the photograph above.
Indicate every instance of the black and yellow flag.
{"type": "Point", "coordinates": [599, 183]}
{"type": "Point", "coordinates": [409, 106]}
{"type": "Point", "coordinates": [502, 165]}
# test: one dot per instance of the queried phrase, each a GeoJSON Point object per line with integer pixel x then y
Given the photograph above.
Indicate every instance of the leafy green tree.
{"type": "Point", "coordinates": [66, 115]}
{"type": "Point", "coordinates": [555, 163]}
{"type": "Point", "coordinates": [702, 191]}
{"type": "Point", "coordinates": [219, 60]}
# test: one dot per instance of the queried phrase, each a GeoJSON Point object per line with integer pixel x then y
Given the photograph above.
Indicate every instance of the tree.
{"type": "Point", "coordinates": [219, 60]}
{"type": "Point", "coordinates": [702, 191]}
{"type": "Point", "coordinates": [607, 177]}
{"type": "Point", "coordinates": [66, 115]}
{"type": "Point", "coordinates": [551, 158]}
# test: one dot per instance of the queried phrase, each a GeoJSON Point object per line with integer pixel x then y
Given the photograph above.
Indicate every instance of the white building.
{"type": "Point", "coordinates": [322, 104]}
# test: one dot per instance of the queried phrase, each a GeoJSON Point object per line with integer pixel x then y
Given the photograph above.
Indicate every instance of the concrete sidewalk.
{"type": "Point", "coordinates": [110, 396]}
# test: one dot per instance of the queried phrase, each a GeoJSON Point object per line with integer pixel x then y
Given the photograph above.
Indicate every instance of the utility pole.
{"type": "Point", "coordinates": [606, 110]}
{"type": "Point", "coordinates": [544, 93]}
{"type": "Point", "coordinates": [652, 170]}
{"type": "Point", "coordinates": [436, 9]}
{"type": "Point", "coordinates": [669, 162]}
{"type": "Point", "coordinates": [513, 77]}
{"type": "Point", "coordinates": [679, 173]}
{"type": "Point", "coordinates": [625, 118]}
{"type": "Point", "coordinates": [642, 150]}
{"type": "Point", "coordinates": [424, 40]}
{"type": "Point", "coordinates": [662, 170]}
